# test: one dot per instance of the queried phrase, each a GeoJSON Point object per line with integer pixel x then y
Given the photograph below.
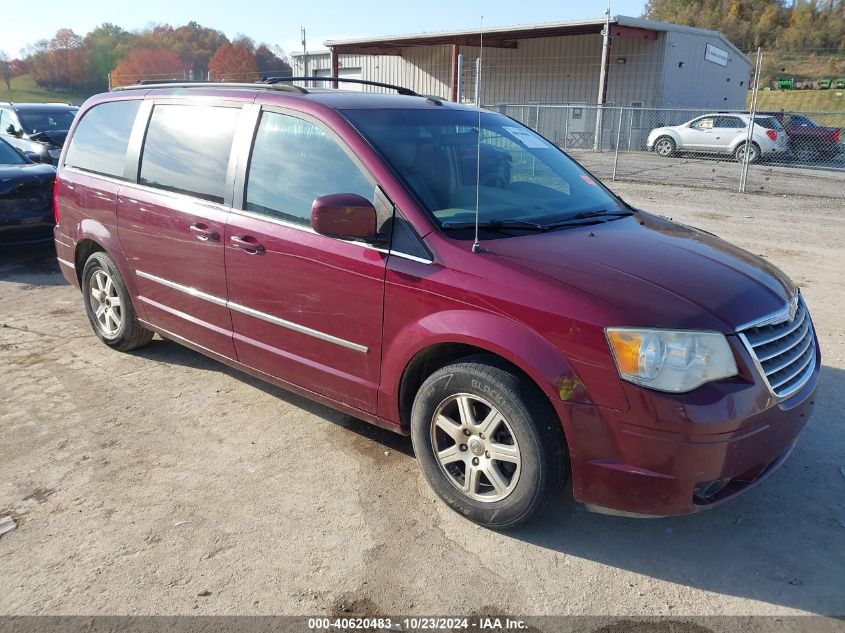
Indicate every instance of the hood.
{"type": "Point", "coordinates": [50, 137]}
{"type": "Point", "coordinates": [657, 272]}
{"type": "Point", "coordinates": [14, 178]}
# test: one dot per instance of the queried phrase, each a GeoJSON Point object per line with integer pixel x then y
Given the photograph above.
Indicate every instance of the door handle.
{"type": "Point", "coordinates": [202, 232]}
{"type": "Point", "coordinates": [248, 244]}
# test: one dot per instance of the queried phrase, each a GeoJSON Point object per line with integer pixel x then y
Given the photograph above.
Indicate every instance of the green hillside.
{"type": "Point", "coordinates": [24, 90]}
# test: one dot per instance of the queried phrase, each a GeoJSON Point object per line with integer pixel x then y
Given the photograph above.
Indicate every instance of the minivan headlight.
{"type": "Point", "coordinates": [667, 360]}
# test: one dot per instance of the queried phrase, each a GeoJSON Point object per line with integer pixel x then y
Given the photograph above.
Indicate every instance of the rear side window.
{"type": "Point", "coordinates": [293, 162]}
{"type": "Point", "coordinates": [99, 143]}
{"type": "Point", "coordinates": [187, 148]}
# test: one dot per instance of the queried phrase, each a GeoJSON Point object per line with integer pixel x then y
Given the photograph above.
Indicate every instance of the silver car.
{"type": "Point", "coordinates": [721, 133]}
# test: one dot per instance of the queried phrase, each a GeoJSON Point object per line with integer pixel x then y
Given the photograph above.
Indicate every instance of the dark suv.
{"type": "Point", "coordinates": [37, 129]}
{"type": "Point", "coordinates": [326, 241]}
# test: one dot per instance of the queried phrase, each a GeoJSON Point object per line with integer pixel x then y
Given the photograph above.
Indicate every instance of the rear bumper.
{"type": "Point", "coordinates": [66, 255]}
{"type": "Point", "coordinates": [630, 463]}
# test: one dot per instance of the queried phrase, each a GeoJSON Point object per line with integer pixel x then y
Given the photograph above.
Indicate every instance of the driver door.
{"type": "Point", "coordinates": [698, 135]}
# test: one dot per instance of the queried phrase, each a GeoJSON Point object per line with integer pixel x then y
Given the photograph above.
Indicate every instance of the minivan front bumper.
{"type": "Point", "coordinates": [674, 454]}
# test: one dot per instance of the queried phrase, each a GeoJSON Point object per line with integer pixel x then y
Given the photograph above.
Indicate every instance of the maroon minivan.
{"type": "Point", "coordinates": [325, 241]}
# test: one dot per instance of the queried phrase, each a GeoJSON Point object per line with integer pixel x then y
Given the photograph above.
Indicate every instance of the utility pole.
{"type": "Point", "coordinates": [605, 54]}
{"type": "Point", "coordinates": [304, 57]}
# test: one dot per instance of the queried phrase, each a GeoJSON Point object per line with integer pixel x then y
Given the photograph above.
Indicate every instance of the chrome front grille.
{"type": "Point", "coordinates": [785, 350]}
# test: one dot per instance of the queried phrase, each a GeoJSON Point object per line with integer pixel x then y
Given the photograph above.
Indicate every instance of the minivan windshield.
{"type": "Point", "coordinates": [524, 179]}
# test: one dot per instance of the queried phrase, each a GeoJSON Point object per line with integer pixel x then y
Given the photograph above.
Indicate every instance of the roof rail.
{"type": "Point", "coordinates": [149, 84]}
{"type": "Point", "coordinates": [401, 90]}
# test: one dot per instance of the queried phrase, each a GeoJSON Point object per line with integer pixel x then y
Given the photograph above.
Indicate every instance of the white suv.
{"type": "Point", "coordinates": [721, 133]}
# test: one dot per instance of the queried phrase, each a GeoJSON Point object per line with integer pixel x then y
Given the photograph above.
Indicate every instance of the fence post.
{"type": "Point", "coordinates": [618, 136]}
{"type": "Point", "coordinates": [743, 179]}
{"type": "Point", "coordinates": [565, 125]}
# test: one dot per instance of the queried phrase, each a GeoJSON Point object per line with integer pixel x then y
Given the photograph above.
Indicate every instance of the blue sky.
{"type": "Point", "coordinates": [279, 22]}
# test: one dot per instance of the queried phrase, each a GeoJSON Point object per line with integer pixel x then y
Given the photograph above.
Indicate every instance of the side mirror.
{"type": "Point", "coordinates": [34, 157]}
{"type": "Point", "coordinates": [12, 131]}
{"type": "Point", "coordinates": [344, 215]}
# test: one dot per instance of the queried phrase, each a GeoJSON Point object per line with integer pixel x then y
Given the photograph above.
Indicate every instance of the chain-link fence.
{"type": "Point", "coordinates": [787, 153]}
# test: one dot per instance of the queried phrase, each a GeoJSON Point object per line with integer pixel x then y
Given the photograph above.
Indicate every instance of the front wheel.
{"type": "Point", "coordinates": [488, 442]}
{"type": "Point", "coordinates": [665, 146]}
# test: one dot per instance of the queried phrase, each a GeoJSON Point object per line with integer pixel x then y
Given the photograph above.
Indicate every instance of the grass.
{"type": "Point", "coordinates": [807, 100]}
{"type": "Point", "coordinates": [25, 90]}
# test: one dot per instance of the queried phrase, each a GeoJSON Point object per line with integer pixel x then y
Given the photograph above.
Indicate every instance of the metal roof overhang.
{"type": "Point", "coordinates": [495, 38]}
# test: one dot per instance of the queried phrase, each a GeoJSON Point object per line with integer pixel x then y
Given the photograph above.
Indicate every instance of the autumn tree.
{"type": "Point", "coordinates": [233, 63]}
{"type": "Point", "coordinates": [271, 62]}
{"type": "Point", "coordinates": [61, 62]}
{"type": "Point", "coordinates": [148, 63]}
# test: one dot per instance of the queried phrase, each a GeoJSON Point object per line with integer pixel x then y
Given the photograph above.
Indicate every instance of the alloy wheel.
{"type": "Point", "coordinates": [105, 303]}
{"type": "Point", "coordinates": [475, 447]}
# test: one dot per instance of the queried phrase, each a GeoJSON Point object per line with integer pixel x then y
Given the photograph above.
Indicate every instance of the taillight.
{"type": "Point", "coordinates": [836, 136]}
{"type": "Point", "coordinates": [772, 134]}
{"type": "Point", "coordinates": [56, 199]}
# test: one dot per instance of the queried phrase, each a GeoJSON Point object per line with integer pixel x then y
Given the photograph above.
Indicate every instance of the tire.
{"type": "Point", "coordinates": [804, 152]}
{"type": "Point", "coordinates": [109, 307]}
{"type": "Point", "coordinates": [522, 429]}
{"type": "Point", "coordinates": [753, 155]}
{"type": "Point", "coordinates": [665, 146]}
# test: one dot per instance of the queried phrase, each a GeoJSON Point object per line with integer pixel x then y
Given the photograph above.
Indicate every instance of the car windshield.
{"type": "Point", "coordinates": [522, 177]}
{"type": "Point", "coordinates": [35, 121]}
{"type": "Point", "coordinates": [9, 156]}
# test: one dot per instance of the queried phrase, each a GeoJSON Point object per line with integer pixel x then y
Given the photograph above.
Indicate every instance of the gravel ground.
{"type": "Point", "coordinates": [820, 179]}
{"type": "Point", "coordinates": [140, 481]}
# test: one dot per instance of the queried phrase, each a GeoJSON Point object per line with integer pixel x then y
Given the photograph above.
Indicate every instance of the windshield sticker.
{"type": "Point", "coordinates": [526, 138]}
{"type": "Point", "coordinates": [588, 180]}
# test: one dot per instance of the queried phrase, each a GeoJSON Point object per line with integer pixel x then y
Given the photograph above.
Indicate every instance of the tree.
{"type": "Point", "coordinates": [148, 63]}
{"type": "Point", "coordinates": [6, 71]}
{"type": "Point", "coordinates": [106, 45]}
{"type": "Point", "coordinates": [233, 63]}
{"type": "Point", "coordinates": [271, 62]}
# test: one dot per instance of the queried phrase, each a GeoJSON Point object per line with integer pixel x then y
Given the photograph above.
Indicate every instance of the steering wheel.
{"type": "Point", "coordinates": [493, 180]}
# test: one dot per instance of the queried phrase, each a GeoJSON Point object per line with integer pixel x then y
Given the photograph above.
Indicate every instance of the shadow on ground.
{"type": "Point", "coordinates": [763, 546]}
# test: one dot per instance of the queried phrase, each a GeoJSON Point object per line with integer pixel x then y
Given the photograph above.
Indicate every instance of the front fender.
{"type": "Point", "coordinates": [508, 339]}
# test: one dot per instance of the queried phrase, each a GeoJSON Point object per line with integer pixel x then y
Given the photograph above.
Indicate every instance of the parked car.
{"type": "Point", "coordinates": [721, 133]}
{"type": "Point", "coordinates": [37, 129]}
{"type": "Point", "coordinates": [26, 198]}
{"type": "Point", "coordinates": [807, 139]}
{"type": "Point", "coordinates": [325, 241]}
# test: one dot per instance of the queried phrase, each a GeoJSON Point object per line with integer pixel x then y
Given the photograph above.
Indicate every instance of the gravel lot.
{"type": "Point", "coordinates": [823, 180]}
{"type": "Point", "coordinates": [142, 480]}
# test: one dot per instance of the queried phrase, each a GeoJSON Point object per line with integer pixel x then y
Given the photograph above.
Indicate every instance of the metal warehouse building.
{"type": "Point", "coordinates": [647, 64]}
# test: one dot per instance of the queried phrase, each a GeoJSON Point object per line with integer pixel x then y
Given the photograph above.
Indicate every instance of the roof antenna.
{"type": "Point", "coordinates": [476, 247]}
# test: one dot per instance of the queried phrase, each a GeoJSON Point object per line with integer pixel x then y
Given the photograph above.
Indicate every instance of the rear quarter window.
{"type": "Point", "coordinates": [99, 143]}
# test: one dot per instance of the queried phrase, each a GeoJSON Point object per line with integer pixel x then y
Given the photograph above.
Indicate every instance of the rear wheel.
{"type": "Point", "coordinates": [109, 307]}
{"type": "Point", "coordinates": [753, 153]}
{"type": "Point", "coordinates": [488, 442]}
{"type": "Point", "coordinates": [665, 146]}
{"type": "Point", "coordinates": [804, 152]}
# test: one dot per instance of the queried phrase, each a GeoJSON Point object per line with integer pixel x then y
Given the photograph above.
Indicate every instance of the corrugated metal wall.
{"type": "Point", "coordinates": [566, 70]}
{"type": "Point", "coordinates": [701, 83]}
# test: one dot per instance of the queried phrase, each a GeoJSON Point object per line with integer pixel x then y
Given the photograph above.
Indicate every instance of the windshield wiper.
{"type": "Point", "coordinates": [494, 225]}
{"type": "Point", "coordinates": [595, 214]}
